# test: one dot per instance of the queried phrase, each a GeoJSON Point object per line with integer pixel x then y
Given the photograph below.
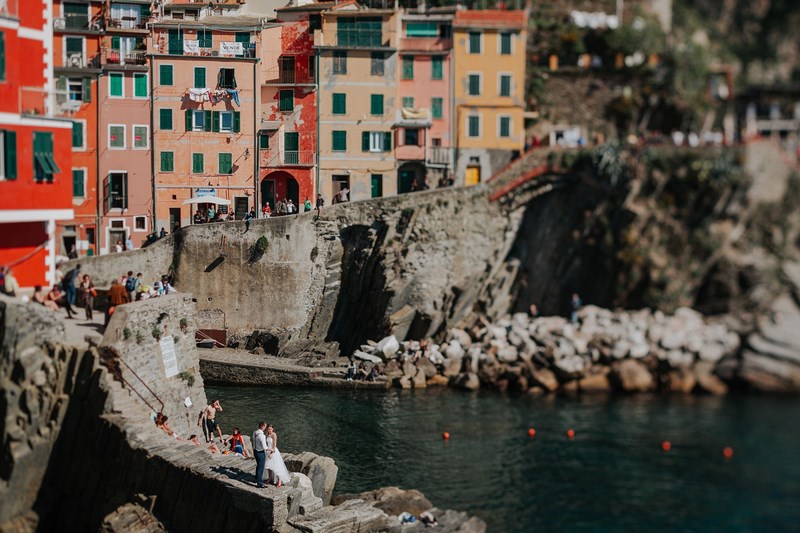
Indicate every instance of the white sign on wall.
{"type": "Point", "coordinates": [169, 356]}
{"type": "Point", "coordinates": [191, 47]}
{"type": "Point", "coordinates": [230, 49]}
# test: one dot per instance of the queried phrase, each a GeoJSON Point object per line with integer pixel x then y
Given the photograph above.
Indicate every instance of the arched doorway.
{"type": "Point", "coordinates": [279, 185]}
{"type": "Point", "coordinates": [407, 174]}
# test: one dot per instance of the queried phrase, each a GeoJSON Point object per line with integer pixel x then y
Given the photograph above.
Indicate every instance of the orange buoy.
{"type": "Point", "coordinates": [666, 446]}
{"type": "Point", "coordinates": [446, 435]}
{"type": "Point", "coordinates": [570, 433]}
{"type": "Point", "coordinates": [531, 432]}
{"type": "Point", "coordinates": [727, 452]}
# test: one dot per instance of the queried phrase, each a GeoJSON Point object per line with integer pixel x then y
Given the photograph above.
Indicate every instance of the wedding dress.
{"type": "Point", "coordinates": [276, 464]}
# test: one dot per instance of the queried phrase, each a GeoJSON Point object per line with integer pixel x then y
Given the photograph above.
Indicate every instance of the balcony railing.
{"type": "Point", "coordinates": [439, 155]}
{"type": "Point", "coordinates": [114, 57]}
{"type": "Point", "coordinates": [74, 22]}
{"type": "Point", "coordinates": [269, 158]}
{"type": "Point", "coordinates": [127, 23]}
{"type": "Point", "coordinates": [278, 76]}
{"type": "Point", "coordinates": [80, 61]}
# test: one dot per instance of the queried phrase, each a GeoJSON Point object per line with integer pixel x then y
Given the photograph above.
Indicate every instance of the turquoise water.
{"type": "Point", "coordinates": [612, 476]}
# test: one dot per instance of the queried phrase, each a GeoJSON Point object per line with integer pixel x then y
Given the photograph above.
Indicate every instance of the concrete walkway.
{"type": "Point", "coordinates": [77, 329]}
{"type": "Point", "coordinates": [238, 367]}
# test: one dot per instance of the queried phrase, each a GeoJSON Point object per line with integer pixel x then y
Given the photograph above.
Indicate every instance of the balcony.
{"type": "Point", "coordinates": [77, 62]}
{"type": "Point", "coordinates": [285, 76]}
{"type": "Point", "coordinates": [116, 58]}
{"type": "Point", "coordinates": [439, 155]}
{"type": "Point", "coordinates": [126, 24]}
{"type": "Point", "coordinates": [271, 158]}
{"type": "Point", "coordinates": [426, 44]}
{"type": "Point", "coordinates": [44, 103]}
{"type": "Point", "coordinates": [77, 23]}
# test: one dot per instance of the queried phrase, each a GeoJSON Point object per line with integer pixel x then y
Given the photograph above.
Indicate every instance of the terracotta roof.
{"type": "Point", "coordinates": [490, 18]}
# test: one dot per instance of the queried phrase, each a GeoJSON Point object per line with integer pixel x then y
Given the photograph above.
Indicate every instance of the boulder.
{"type": "Point", "coordinates": [572, 366]}
{"type": "Point", "coordinates": [545, 378]}
{"type": "Point", "coordinates": [392, 369]}
{"type": "Point", "coordinates": [452, 367]}
{"type": "Point", "coordinates": [427, 367]}
{"type": "Point", "coordinates": [681, 380]}
{"type": "Point", "coordinates": [322, 472]}
{"type": "Point", "coordinates": [388, 346]}
{"type": "Point", "coordinates": [596, 380]}
{"type": "Point", "coordinates": [454, 350]}
{"type": "Point", "coordinates": [707, 381]}
{"type": "Point", "coordinates": [358, 354]}
{"type": "Point", "coordinates": [711, 352]}
{"type": "Point", "coordinates": [438, 381]}
{"type": "Point", "coordinates": [507, 354]}
{"type": "Point", "coordinates": [391, 500]}
{"type": "Point", "coordinates": [467, 380]}
{"type": "Point", "coordinates": [631, 375]}
{"type": "Point", "coordinates": [461, 336]}
{"type": "Point", "coordinates": [769, 374]}
{"type": "Point", "coordinates": [419, 381]}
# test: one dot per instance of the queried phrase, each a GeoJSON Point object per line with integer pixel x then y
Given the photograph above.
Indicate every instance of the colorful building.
{"type": "Point", "coordinates": [35, 146]}
{"type": "Point", "coordinates": [489, 90]}
{"type": "Point", "coordinates": [204, 107]}
{"type": "Point", "coordinates": [288, 127]}
{"type": "Point", "coordinates": [424, 136]}
{"type": "Point", "coordinates": [358, 105]}
{"type": "Point", "coordinates": [77, 32]}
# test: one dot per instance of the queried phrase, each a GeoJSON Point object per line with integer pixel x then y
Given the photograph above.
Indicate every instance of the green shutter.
{"type": "Point", "coordinates": [116, 84]}
{"type": "Point", "coordinates": [167, 162]}
{"type": "Point", "coordinates": [197, 163]}
{"type": "Point", "coordinates": [237, 121]}
{"type": "Point", "coordinates": [225, 163]}
{"type": "Point", "coordinates": [436, 68]}
{"type": "Point", "coordinates": [244, 38]}
{"type": "Point", "coordinates": [140, 85]}
{"type": "Point", "coordinates": [165, 119]}
{"type": "Point", "coordinates": [207, 120]}
{"type": "Point", "coordinates": [340, 140]}
{"type": "Point", "coordinates": [505, 43]}
{"type": "Point", "coordinates": [11, 154]}
{"type": "Point", "coordinates": [87, 90]}
{"type": "Point", "coordinates": [215, 121]}
{"type": "Point", "coordinates": [376, 104]}
{"type": "Point", "coordinates": [436, 107]}
{"type": "Point", "coordinates": [376, 185]}
{"type": "Point", "coordinates": [286, 100]}
{"type": "Point", "coordinates": [263, 141]}
{"type": "Point", "coordinates": [77, 134]}
{"type": "Point", "coordinates": [115, 43]}
{"type": "Point", "coordinates": [165, 74]}
{"type": "Point", "coordinates": [474, 85]}
{"type": "Point", "coordinates": [408, 102]}
{"type": "Point", "coordinates": [2, 56]}
{"type": "Point", "coordinates": [339, 103]}
{"type": "Point", "coordinates": [408, 67]}
{"type": "Point", "coordinates": [365, 141]}
{"type": "Point", "coordinates": [387, 141]}
{"type": "Point", "coordinates": [474, 43]}
{"type": "Point", "coordinates": [189, 125]}
{"type": "Point", "coordinates": [199, 77]}
{"type": "Point", "coordinates": [175, 42]}
{"type": "Point", "coordinates": [422, 29]}
{"type": "Point", "coordinates": [505, 85]}
{"type": "Point", "coordinates": [77, 183]}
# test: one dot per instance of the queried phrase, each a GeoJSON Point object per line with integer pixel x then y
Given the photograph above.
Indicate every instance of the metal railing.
{"type": "Point", "coordinates": [127, 23]}
{"type": "Point", "coordinates": [278, 75]}
{"type": "Point", "coordinates": [439, 155]}
{"type": "Point", "coordinates": [80, 61]}
{"type": "Point", "coordinates": [293, 158]}
{"type": "Point", "coordinates": [114, 57]}
{"type": "Point", "coordinates": [77, 22]}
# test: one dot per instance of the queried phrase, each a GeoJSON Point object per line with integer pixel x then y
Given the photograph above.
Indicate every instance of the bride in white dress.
{"type": "Point", "coordinates": [277, 469]}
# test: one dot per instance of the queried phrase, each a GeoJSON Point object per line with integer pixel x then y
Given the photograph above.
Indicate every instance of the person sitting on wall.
{"type": "Point", "coordinates": [351, 371]}
{"type": "Point", "coordinates": [213, 448]}
{"type": "Point", "coordinates": [161, 423]}
{"type": "Point", "coordinates": [198, 218]}
{"type": "Point", "coordinates": [374, 372]}
{"type": "Point", "coordinates": [361, 374]}
{"type": "Point", "coordinates": [237, 442]}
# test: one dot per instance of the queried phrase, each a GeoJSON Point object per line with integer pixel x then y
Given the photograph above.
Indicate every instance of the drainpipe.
{"type": "Point", "coordinates": [256, 169]}
{"type": "Point", "coordinates": [316, 81]}
{"type": "Point", "coordinates": [98, 180]}
{"type": "Point", "coordinates": [152, 134]}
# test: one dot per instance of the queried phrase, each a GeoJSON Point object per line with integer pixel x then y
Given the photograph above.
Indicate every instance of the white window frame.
{"type": "Point", "coordinates": [82, 147]}
{"type": "Point", "coordinates": [222, 115]}
{"type": "Point", "coordinates": [110, 76]}
{"type": "Point", "coordinates": [510, 126]}
{"type": "Point", "coordinates": [480, 41]}
{"type": "Point", "coordinates": [64, 56]}
{"type": "Point", "coordinates": [117, 209]}
{"type": "Point", "coordinates": [510, 83]}
{"type": "Point", "coordinates": [85, 177]}
{"type": "Point", "coordinates": [202, 114]}
{"type": "Point", "coordinates": [480, 83]}
{"type": "Point", "coordinates": [135, 218]}
{"type": "Point", "coordinates": [133, 87]}
{"type": "Point", "coordinates": [402, 101]}
{"type": "Point", "coordinates": [500, 42]}
{"type": "Point", "coordinates": [171, 66]}
{"type": "Point", "coordinates": [124, 139]}
{"type": "Point", "coordinates": [2, 155]}
{"type": "Point", "coordinates": [80, 82]}
{"type": "Point", "coordinates": [146, 137]}
{"type": "Point", "coordinates": [480, 126]}
{"type": "Point", "coordinates": [376, 141]}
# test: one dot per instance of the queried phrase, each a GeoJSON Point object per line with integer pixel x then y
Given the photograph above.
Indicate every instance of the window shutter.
{"type": "Point", "coordinates": [107, 192]}
{"type": "Point", "coordinates": [207, 120]}
{"type": "Point", "coordinates": [199, 77]}
{"type": "Point", "coordinates": [365, 141]}
{"type": "Point", "coordinates": [387, 141]}
{"type": "Point", "coordinates": [376, 104]}
{"type": "Point", "coordinates": [77, 134]}
{"type": "Point", "coordinates": [189, 113]}
{"type": "Point", "coordinates": [215, 121]}
{"type": "Point", "coordinates": [2, 56]}
{"type": "Point", "coordinates": [163, 161]}
{"type": "Point", "coordinates": [11, 154]}
{"type": "Point", "coordinates": [87, 90]}
{"type": "Point", "coordinates": [115, 43]}
{"type": "Point", "coordinates": [263, 141]}
{"type": "Point", "coordinates": [237, 121]}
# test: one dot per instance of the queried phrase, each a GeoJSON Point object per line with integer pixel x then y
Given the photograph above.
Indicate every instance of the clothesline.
{"type": "Point", "coordinates": [213, 95]}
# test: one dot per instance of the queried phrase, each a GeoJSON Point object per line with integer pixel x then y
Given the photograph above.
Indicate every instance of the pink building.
{"type": "Point", "coordinates": [424, 137]}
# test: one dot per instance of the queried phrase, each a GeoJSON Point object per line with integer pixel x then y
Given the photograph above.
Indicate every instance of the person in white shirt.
{"type": "Point", "coordinates": [260, 449]}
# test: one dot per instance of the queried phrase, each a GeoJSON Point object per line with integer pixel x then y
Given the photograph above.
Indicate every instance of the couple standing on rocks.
{"type": "Point", "coordinates": [268, 456]}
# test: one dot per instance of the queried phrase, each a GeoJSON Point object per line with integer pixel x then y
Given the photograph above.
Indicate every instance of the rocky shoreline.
{"type": "Point", "coordinates": [604, 352]}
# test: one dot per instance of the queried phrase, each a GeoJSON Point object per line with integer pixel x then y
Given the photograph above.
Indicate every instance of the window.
{"type": "Point", "coordinates": [263, 141]}
{"type": "Point", "coordinates": [197, 163]}
{"type": "Point", "coordinates": [8, 155]}
{"type": "Point", "coordinates": [504, 126]}
{"type": "Point", "coordinates": [422, 29]}
{"type": "Point", "coordinates": [361, 31]}
{"type": "Point", "coordinates": [339, 103]}
{"type": "Point", "coordinates": [78, 183]}
{"type": "Point", "coordinates": [165, 74]}
{"type": "Point", "coordinates": [225, 121]}
{"type": "Point", "coordinates": [376, 141]}
{"type": "Point", "coordinates": [473, 126]}
{"type": "Point", "coordinates": [115, 191]}
{"type": "Point", "coordinates": [377, 66]}
{"type": "Point", "coordinates": [474, 46]}
{"type": "Point", "coordinates": [474, 84]}
{"type": "Point", "coordinates": [408, 102]}
{"type": "Point", "coordinates": [75, 89]}
{"type": "Point", "coordinates": [244, 38]}
{"type": "Point", "coordinates": [77, 134]}
{"type": "Point", "coordinates": [141, 136]}
{"type": "Point", "coordinates": [505, 44]}
{"type": "Point", "coordinates": [140, 223]}
{"type": "Point", "coordinates": [225, 163]}
{"type": "Point", "coordinates": [339, 141]}
{"type": "Point", "coordinates": [505, 85]}
{"type": "Point", "coordinates": [140, 85]}
{"type": "Point", "coordinates": [376, 182]}
{"type": "Point", "coordinates": [165, 119]}
{"type": "Point", "coordinates": [115, 89]}
{"type": "Point", "coordinates": [408, 68]}
{"type": "Point", "coordinates": [226, 79]}
{"type": "Point", "coordinates": [312, 67]}
{"type": "Point", "coordinates": [436, 107]}
{"type": "Point", "coordinates": [376, 104]}
{"type": "Point", "coordinates": [291, 147]}
{"type": "Point", "coordinates": [286, 100]}
{"type": "Point", "coordinates": [116, 136]}
{"type": "Point", "coordinates": [437, 71]}
{"type": "Point", "coordinates": [199, 77]}
{"type": "Point", "coordinates": [43, 163]}
{"type": "Point", "coordinates": [340, 181]}
{"type": "Point", "coordinates": [412, 137]}
{"type": "Point", "coordinates": [73, 51]}
{"type": "Point", "coordinates": [198, 117]}
{"type": "Point", "coordinates": [339, 62]}
{"type": "Point", "coordinates": [2, 55]}
{"type": "Point", "coordinates": [175, 41]}
{"type": "Point", "coordinates": [167, 162]}
{"type": "Point", "coordinates": [204, 39]}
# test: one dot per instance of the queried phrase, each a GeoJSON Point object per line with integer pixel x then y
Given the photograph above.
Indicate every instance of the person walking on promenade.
{"type": "Point", "coordinates": [116, 296]}
{"type": "Point", "coordinates": [68, 285]}
{"type": "Point", "coordinates": [307, 205]}
{"type": "Point", "coordinates": [320, 202]}
{"type": "Point", "coordinates": [247, 218]}
{"type": "Point", "coordinates": [260, 450]}
{"type": "Point", "coordinates": [88, 293]}
{"type": "Point", "coordinates": [209, 414]}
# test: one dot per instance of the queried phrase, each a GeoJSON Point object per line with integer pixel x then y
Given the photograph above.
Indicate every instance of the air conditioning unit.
{"type": "Point", "coordinates": [75, 60]}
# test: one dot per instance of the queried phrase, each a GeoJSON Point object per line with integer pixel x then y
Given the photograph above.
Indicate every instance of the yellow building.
{"type": "Point", "coordinates": [357, 54]}
{"type": "Point", "coordinates": [488, 91]}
